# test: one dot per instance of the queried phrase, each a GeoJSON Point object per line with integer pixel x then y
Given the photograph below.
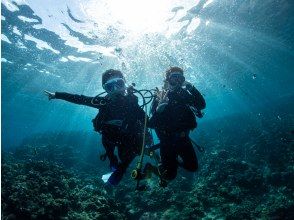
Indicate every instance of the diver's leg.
{"type": "Point", "coordinates": [126, 155]}
{"type": "Point", "coordinates": [109, 148]}
{"type": "Point", "coordinates": [188, 155]}
{"type": "Point", "coordinates": [169, 165]}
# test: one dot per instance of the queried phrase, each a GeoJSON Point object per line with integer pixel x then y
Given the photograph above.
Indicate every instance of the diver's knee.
{"type": "Point", "coordinates": [193, 167]}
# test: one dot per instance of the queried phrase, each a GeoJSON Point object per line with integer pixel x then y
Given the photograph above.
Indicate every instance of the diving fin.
{"type": "Point", "coordinates": [106, 176]}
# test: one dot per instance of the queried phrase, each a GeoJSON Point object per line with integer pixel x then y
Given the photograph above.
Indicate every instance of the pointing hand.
{"type": "Point", "coordinates": [50, 95]}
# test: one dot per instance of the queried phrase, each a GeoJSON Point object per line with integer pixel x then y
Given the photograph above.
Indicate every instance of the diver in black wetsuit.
{"type": "Point", "coordinates": [173, 117]}
{"type": "Point", "coordinates": [120, 120]}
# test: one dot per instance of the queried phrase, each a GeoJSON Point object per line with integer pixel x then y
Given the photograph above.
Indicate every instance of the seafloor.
{"type": "Point", "coordinates": [245, 173]}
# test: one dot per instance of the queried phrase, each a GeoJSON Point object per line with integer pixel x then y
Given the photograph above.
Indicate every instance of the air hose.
{"type": "Point", "coordinates": [137, 173]}
{"type": "Point", "coordinates": [98, 103]}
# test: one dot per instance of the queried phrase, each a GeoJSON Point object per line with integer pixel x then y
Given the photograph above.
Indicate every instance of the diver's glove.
{"type": "Point", "coordinates": [51, 95]}
{"type": "Point", "coordinates": [188, 86]}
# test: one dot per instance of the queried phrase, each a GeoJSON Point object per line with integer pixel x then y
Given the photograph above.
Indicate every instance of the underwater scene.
{"type": "Point", "coordinates": [147, 109]}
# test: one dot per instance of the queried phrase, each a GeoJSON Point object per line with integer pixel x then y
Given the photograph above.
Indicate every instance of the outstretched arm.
{"type": "Point", "coordinates": [77, 99]}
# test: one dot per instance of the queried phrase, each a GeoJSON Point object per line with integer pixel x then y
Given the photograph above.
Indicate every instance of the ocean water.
{"type": "Point", "coordinates": [239, 54]}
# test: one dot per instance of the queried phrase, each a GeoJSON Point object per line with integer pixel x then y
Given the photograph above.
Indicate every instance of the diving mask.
{"type": "Point", "coordinates": [176, 79]}
{"type": "Point", "coordinates": [115, 85]}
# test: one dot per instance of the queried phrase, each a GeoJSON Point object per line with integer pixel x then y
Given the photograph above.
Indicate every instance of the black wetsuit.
{"type": "Point", "coordinates": [173, 125]}
{"type": "Point", "coordinates": [120, 121]}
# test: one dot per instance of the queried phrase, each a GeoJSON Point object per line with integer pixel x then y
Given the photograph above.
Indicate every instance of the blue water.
{"type": "Point", "coordinates": [239, 54]}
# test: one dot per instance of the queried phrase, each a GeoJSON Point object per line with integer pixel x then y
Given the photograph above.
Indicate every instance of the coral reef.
{"type": "Point", "coordinates": [240, 177]}
{"type": "Point", "coordinates": [44, 190]}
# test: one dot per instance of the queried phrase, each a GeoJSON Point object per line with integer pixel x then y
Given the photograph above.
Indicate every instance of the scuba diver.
{"type": "Point", "coordinates": [120, 120]}
{"type": "Point", "coordinates": [173, 117]}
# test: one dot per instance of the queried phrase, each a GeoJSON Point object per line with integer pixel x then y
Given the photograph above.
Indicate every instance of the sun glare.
{"type": "Point", "coordinates": [133, 15]}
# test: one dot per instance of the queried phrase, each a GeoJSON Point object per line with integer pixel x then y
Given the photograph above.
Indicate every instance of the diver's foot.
{"type": "Point", "coordinates": [115, 177]}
